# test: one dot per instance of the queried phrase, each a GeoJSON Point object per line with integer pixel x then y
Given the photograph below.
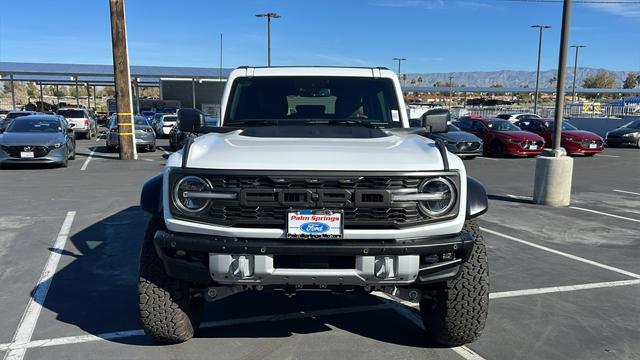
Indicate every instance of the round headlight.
{"type": "Point", "coordinates": [443, 187]}
{"type": "Point", "coordinates": [191, 204]}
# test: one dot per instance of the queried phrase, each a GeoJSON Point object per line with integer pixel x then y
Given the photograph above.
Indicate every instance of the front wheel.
{"type": "Point", "coordinates": [168, 310]}
{"type": "Point", "coordinates": [454, 313]}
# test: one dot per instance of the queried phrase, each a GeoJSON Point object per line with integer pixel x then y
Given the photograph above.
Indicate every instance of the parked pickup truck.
{"type": "Point", "coordinates": [314, 181]}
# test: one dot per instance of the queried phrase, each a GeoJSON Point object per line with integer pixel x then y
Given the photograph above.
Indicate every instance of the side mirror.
{"type": "Point", "coordinates": [435, 120]}
{"type": "Point", "coordinates": [190, 120]}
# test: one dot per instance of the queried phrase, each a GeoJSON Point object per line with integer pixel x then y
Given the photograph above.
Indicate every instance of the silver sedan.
{"type": "Point", "coordinates": [144, 135]}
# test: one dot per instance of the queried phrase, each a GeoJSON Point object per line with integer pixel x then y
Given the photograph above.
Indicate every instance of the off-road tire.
{"type": "Point", "coordinates": [168, 312]}
{"type": "Point", "coordinates": [454, 313]}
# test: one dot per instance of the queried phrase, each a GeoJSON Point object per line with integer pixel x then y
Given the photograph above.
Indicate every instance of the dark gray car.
{"type": "Point", "coordinates": [38, 139]}
{"type": "Point", "coordinates": [461, 143]}
{"type": "Point", "coordinates": [625, 135]}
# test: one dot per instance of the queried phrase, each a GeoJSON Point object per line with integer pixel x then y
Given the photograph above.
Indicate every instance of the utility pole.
{"type": "Point", "coordinates": [124, 108]}
{"type": "Point", "coordinates": [554, 169]}
{"type": "Point", "coordinates": [269, 16]}
{"type": "Point", "coordinates": [575, 72]}
{"type": "Point", "coordinates": [450, 90]}
{"type": "Point", "coordinates": [535, 99]}
{"type": "Point", "coordinates": [399, 60]}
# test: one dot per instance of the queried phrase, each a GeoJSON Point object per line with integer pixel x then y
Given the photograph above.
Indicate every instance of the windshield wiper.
{"type": "Point", "coordinates": [341, 121]}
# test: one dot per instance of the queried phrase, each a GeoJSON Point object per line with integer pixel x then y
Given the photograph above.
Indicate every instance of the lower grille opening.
{"type": "Point", "coordinates": [313, 262]}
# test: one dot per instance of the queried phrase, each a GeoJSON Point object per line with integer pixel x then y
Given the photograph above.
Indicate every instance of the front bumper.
{"type": "Point", "coordinates": [54, 156]}
{"type": "Point", "coordinates": [207, 260]}
{"type": "Point", "coordinates": [622, 141]}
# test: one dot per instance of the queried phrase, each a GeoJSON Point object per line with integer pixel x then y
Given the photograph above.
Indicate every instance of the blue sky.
{"type": "Point", "coordinates": [434, 35]}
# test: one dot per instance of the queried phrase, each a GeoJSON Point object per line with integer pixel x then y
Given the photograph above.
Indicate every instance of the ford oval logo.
{"type": "Point", "coordinates": [314, 228]}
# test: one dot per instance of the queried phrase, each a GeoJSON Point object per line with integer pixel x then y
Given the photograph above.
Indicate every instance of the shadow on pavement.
{"type": "Point", "coordinates": [96, 291]}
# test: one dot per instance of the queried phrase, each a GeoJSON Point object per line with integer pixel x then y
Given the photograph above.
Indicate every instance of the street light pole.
{"type": "Point", "coordinates": [269, 16]}
{"type": "Point", "coordinates": [575, 70]}
{"type": "Point", "coordinates": [399, 60]}
{"type": "Point", "coordinates": [535, 99]}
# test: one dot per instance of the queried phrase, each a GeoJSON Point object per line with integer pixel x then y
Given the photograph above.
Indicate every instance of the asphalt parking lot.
{"type": "Point", "coordinates": [565, 282]}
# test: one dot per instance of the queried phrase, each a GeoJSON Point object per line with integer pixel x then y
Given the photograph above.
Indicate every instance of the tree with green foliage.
{"type": "Point", "coordinates": [631, 81]}
{"type": "Point", "coordinates": [602, 80]}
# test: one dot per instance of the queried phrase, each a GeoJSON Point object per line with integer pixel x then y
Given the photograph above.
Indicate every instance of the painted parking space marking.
{"type": "Point", "coordinates": [605, 155]}
{"type": "Point", "coordinates": [30, 316]}
{"type": "Point", "coordinates": [398, 305]}
{"type": "Point", "coordinates": [487, 158]}
{"type": "Point", "coordinates": [86, 162]}
{"type": "Point", "coordinates": [605, 214]}
{"type": "Point", "coordinates": [68, 340]}
{"type": "Point", "coordinates": [561, 253]}
{"type": "Point", "coordinates": [627, 192]}
{"type": "Point", "coordinates": [566, 288]}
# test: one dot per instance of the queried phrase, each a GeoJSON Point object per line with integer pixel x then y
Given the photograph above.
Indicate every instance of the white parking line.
{"type": "Point", "coordinates": [86, 162]}
{"type": "Point", "coordinates": [605, 214]}
{"type": "Point", "coordinates": [605, 155]}
{"type": "Point", "coordinates": [487, 158]}
{"type": "Point", "coordinates": [165, 151]}
{"type": "Point", "coordinates": [520, 197]}
{"type": "Point", "coordinates": [207, 325]}
{"type": "Point", "coordinates": [573, 257]}
{"type": "Point", "coordinates": [626, 192]}
{"type": "Point", "coordinates": [414, 318]}
{"type": "Point", "coordinates": [32, 312]}
{"type": "Point", "coordinates": [566, 288]}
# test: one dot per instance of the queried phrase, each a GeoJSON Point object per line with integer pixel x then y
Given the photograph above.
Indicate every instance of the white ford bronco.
{"type": "Point", "coordinates": [314, 181]}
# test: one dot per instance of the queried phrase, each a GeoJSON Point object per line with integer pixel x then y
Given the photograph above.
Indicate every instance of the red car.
{"type": "Point", "coordinates": [500, 137]}
{"type": "Point", "coordinates": [573, 140]}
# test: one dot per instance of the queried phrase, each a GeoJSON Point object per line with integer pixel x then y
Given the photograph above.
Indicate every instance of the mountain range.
{"type": "Point", "coordinates": [511, 78]}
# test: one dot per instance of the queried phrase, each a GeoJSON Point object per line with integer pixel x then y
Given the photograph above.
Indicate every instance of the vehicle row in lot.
{"type": "Point", "coordinates": [625, 135]}
{"type": "Point", "coordinates": [42, 139]}
{"type": "Point", "coordinates": [528, 136]}
{"type": "Point", "coordinates": [144, 135]}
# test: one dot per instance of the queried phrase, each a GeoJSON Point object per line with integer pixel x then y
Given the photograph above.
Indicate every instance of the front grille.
{"type": "Point", "coordinates": [527, 144]}
{"type": "Point", "coordinates": [38, 151]}
{"type": "Point", "coordinates": [468, 146]}
{"type": "Point", "coordinates": [587, 143]}
{"type": "Point", "coordinates": [263, 200]}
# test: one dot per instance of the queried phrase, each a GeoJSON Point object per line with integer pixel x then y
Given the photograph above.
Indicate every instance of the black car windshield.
{"type": "Point", "coordinates": [13, 115]}
{"type": "Point", "coordinates": [633, 125]}
{"type": "Point", "coordinates": [34, 126]}
{"type": "Point", "coordinates": [73, 114]}
{"type": "Point", "coordinates": [451, 128]}
{"type": "Point", "coordinates": [270, 100]}
{"type": "Point", "coordinates": [502, 125]}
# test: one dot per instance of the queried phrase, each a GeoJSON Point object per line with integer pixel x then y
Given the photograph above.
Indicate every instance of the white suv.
{"type": "Point", "coordinates": [81, 121]}
{"type": "Point", "coordinates": [314, 182]}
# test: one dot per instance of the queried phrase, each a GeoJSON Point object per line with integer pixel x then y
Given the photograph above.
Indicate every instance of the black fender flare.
{"type": "Point", "coordinates": [151, 196]}
{"type": "Point", "coordinates": [477, 200]}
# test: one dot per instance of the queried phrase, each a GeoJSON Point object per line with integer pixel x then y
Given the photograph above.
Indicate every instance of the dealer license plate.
{"type": "Point", "coordinates": [593, 146]}
{"type": "Point", "coordinates": [533, 147]}
{"type": "Point", "coordinates": [26, 154]}
{"type": "Point", "coordinates": [315, 224]}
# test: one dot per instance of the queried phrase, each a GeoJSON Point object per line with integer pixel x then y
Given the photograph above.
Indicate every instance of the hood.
{"type": "Point", "coordinates": [456, 136]}
{"type": "Point", "coordinates": [43, 139]}
{"type": "Point", "coordinates": [580, 135]}
{"type": "Point", "coordinates": [389, 153]}
{"type": "Point", "coordinates": [622, 131]}
{"type": "Point", "coordinates": [519, 135]}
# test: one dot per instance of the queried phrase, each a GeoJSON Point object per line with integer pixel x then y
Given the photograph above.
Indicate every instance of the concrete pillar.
{"type": "Point", "coordinates": [557, 171]}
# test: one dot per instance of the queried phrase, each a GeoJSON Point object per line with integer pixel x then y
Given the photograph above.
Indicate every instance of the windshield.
{"type": "Point", "coordinates": [139, 120]}
{"type": "Point", "coordinates": [451, 128]}
{"type": "Point", "coordinates": [71, 113]}
{"type": "Point", "coordinates": [565, 125]}
{"type": "Point", "coordinates": [34, 126]}
{"type": "Point", "coordinates": [633, 125]}
{"type": "Point", "coordinates": [169, 118]}
{"type": "Point", "coordinates": [502, 125]}
{"type": "Point", "coordinates": [298, 100]}
{"type": "Point", "coordinates": [14, 115]}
